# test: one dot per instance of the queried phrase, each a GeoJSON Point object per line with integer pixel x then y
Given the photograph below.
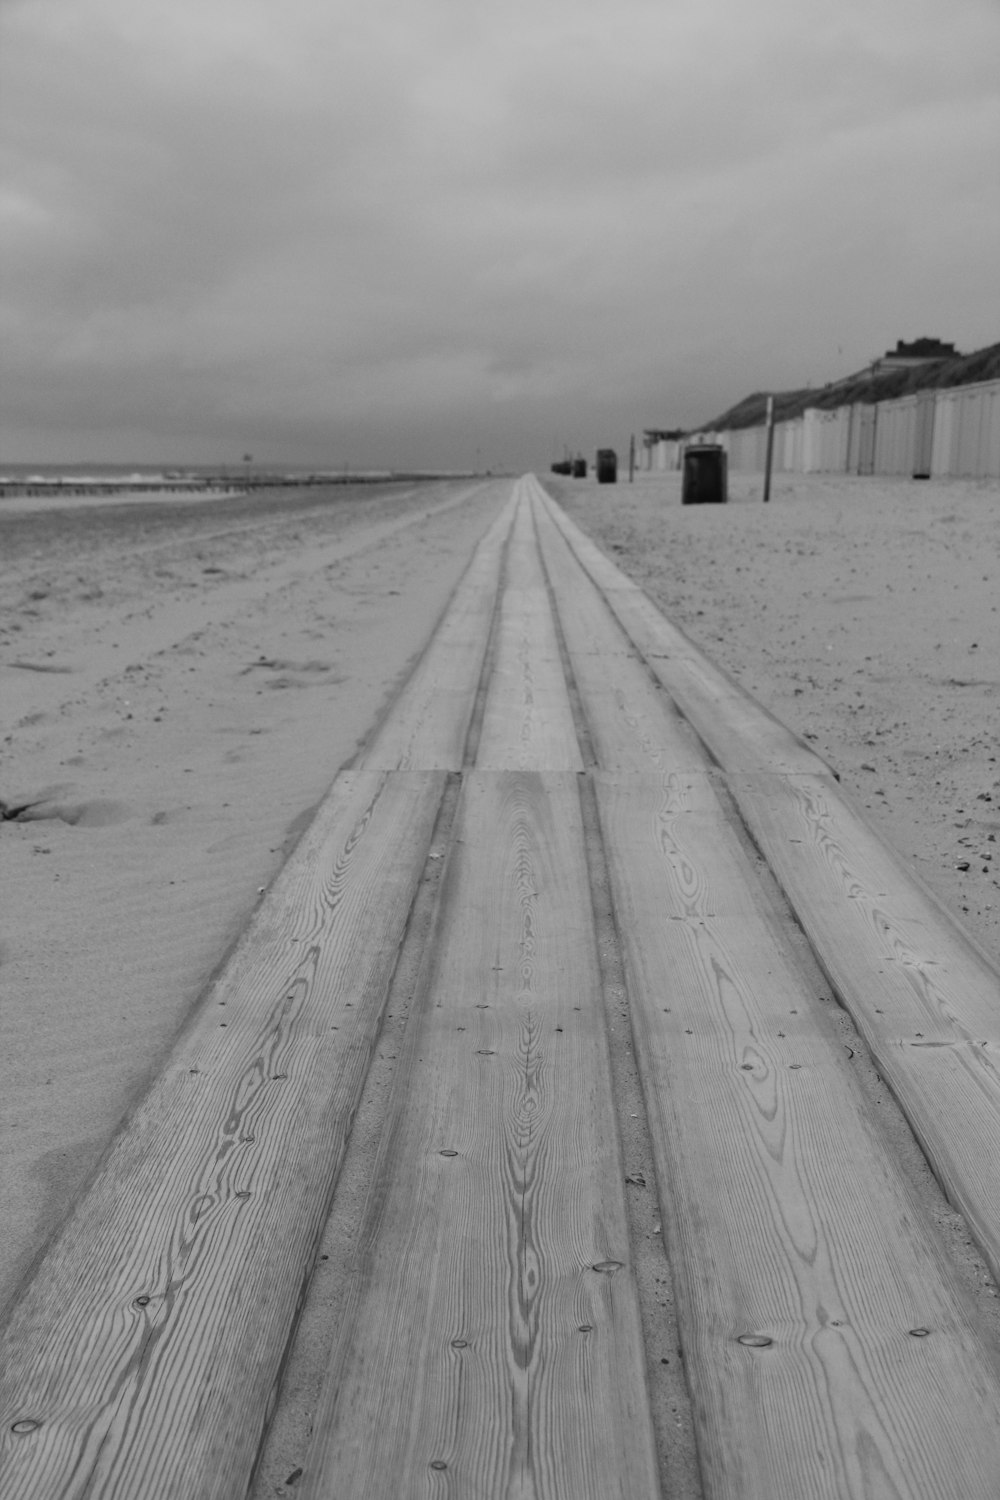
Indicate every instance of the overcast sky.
{"type": "Point", "coordinates": [421, 231]}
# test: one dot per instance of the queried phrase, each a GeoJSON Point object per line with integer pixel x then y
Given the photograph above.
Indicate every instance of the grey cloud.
{"type": "Point", "coordinates": [328, 223]}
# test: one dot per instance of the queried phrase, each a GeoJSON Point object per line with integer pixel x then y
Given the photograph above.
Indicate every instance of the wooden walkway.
{"type": "Point", "coordinates": [495, 1343]}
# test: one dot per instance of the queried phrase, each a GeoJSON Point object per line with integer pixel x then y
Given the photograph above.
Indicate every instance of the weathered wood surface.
{"type": "Point", "coordinates": [792, 1228]}
{"type": "Point", "coordinates": [738, 731]}
{"type": "Point", "coordinates": [633, 724]}
{"type": "Point", "coordinates": [497, 1350]}
{"type": "Point", "coordinates": [426, 726]}
{"type": "Point", "coordinates": [496, 1260]}
{"type": "Point", "coordinates": [528, 722]}
{"type": "Point", "coordinates": [483, 1353]}
{"type": "Point", "coordinates": [924, 997]}
{"type": "Point", "coordinates": [790, 1219]}
{"type": "Point", "coordinates": [143, 1358]}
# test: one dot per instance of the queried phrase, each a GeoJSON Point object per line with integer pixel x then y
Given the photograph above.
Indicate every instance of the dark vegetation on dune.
{"type": "Point", "coordinates": [963, 369]}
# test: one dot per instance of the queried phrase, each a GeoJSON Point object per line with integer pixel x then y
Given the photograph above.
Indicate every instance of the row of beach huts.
{"type": "Point", "coordinates": [949, 433]}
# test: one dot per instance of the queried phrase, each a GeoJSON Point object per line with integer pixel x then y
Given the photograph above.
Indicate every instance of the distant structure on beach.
{"type": "Point", "coordinates": [918, 354]}
{"type": "Point", "coordinates": [911, 356]}
{"type": "Point", "coordinates": [923, 411]}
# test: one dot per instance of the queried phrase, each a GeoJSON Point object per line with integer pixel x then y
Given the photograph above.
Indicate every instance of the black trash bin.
{"type": "Point", "coordinates": [579, 468]}
{"type": "Point", "coordinates": [607, 466]}
{"type": "Point", "coordinates": [704, 475]}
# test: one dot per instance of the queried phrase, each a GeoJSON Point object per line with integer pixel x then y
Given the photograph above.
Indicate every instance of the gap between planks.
{"type": "Point", "coordinates": [496, 1347]}
{"type": "Point", "coordinates": [830, 1348]}
{"type": "Point", "coordinates": [496, 1340]}
{"type": "Point", "coordinates": [793, 1227]}
{"type": "Point", "coordinates": [921, 992]}
{"type": "Point", "coordinates": [143, 1356]}
{"type": "Point", "coordinates": [148, 1376]}
{"type": "Point", "coordinates": [827, 1415]}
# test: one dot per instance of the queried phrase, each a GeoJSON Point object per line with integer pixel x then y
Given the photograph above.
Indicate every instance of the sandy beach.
{"type": "Point", "coordinates": [864, 613]}
{"type": "Point", "coordinates": [182, 683]}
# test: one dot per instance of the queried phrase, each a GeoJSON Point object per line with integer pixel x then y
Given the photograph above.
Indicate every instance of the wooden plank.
{"type": "Point", "coordinates": [925, 998]}
{"type": "Point", "coordinates": [528, 722]}
{"type": "Point", "coordinates": [738, 731]}
{"type": "Point", "coordinates": [496, 1349]}
{"type": "Point", "coordinates": [426, 726]}
{"type": "Point", "coordinates": [633, 724]}
{"type": "Point", "coordinates": [923, 995]}
{"type": "Point", "coordinates": [143, 1357]}
{"type": "Point", "coordinates": [808, 1272]}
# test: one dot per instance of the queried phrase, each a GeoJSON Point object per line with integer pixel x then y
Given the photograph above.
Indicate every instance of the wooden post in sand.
{"type": "Point", "coordinates": [769, 454]}
{"type": "Point", "coordinates": [631, 459]}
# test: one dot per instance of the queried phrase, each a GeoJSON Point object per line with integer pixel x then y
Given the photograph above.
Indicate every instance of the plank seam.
{"type": "Point", "coordinates": [367, 754]}
{"type": "Point", "coordinates": [583, 736]}
{"type": "Point", "coordinates": [669, 1394]}
{"type": "Point", "coordinates": [667, 1381]}
{"type": "Point", "coordinates": [361, 1170]}
{"type": "Point", "coordinates": [631, 645]}
{"type": "Point", "coordinates": [475, 730]}
{"type": "Point", "coordinates": [340, 1406]}
{"type": "Point", "coordinates": [629, 648]}
{"type": "Point", "coordinates": [567, 528]}
{"type": "Point", "coordinates": [953, 1173]}
{"type": "Point", "coordinates": [242, 1450]}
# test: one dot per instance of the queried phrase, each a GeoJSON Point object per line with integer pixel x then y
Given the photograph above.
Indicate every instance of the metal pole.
{"type": "Point", "coordinates": [631, 458]}
{"type": "Point", "coordinates": [770, 449]}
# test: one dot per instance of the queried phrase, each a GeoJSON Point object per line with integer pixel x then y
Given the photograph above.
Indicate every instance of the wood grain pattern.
{"type": "Point", "coordinates": [528, 722]}
{"type": "Point", "coordinates": [925, 998]}
{"type": "Point", "coordinates": [790, 1223]}
{"type": "Point", "coordinates": [738, 731]}
{"type": "Point", "coordinates": [493, 1346]}
{"type": "Point", "coordinates": [922, 994]}
{"type": "Point", "coordinates": [634, 725]}
{"type": "Point", "coordinates": [426, 725]}
{"type": "Point", "coordinates": [497, 1349]}
{"type": "Point", "coordinates": [142, 1359]}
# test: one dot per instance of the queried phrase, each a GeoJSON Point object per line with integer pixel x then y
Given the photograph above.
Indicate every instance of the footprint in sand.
{"type": "Point", "coordinates": [99, 812]}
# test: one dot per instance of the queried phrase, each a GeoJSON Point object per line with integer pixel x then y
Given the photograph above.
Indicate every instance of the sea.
{"type": "Point", "coordinates": [35, 487]}
{"type": "Point", "coordinates": [146, 474]}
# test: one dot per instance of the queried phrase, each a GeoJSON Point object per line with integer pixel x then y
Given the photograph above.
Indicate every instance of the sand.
{"type": "Point", "coordinates": [181, 683]}
{"type": "Point", "coordinates": [179, 686]}
{"type": "Point", "coordinates": [865, 613]}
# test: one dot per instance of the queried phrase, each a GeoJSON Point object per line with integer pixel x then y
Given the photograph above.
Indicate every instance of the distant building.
{"type": "Point", "coordinates": [661, 447]}
{"type": "Point", "coordinates": [911, 356]}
